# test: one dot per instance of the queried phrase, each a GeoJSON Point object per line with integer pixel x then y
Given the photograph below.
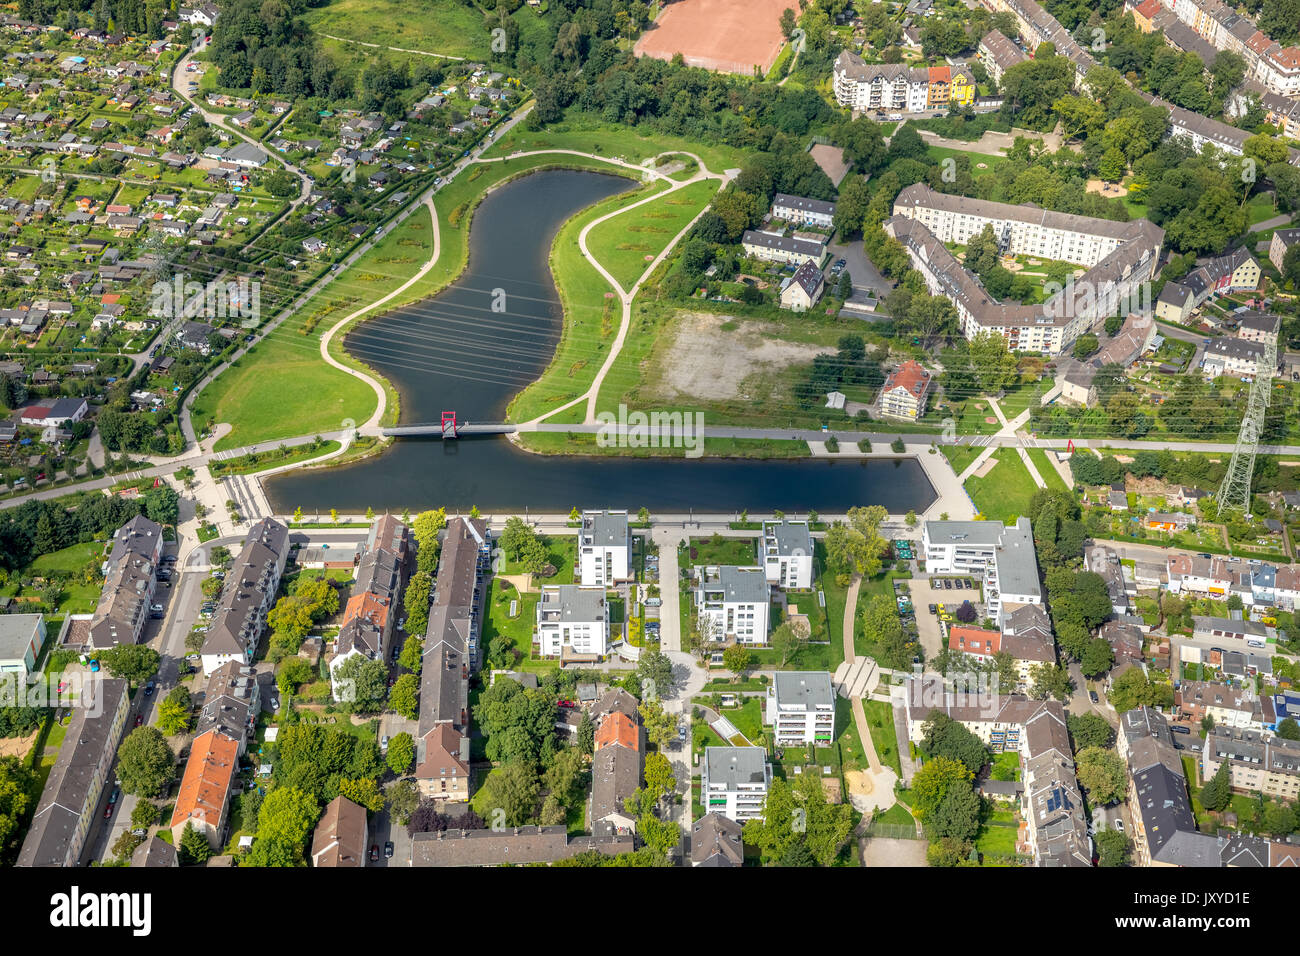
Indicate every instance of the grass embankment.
{"type": "Point", "coordinates": [575, 443]}
{"type": "Point", "coordinates": [626, 244]}
{"type": "Point", "coordinates": [1003, 494]}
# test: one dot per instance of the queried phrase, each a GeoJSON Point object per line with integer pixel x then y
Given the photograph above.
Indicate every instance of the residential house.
{"type": "Point", "coordinates": [1027, 638]}
{"type": "Point", "coordinates": [573, 622]}
{"type": "Point", "coordinates": [1003, 556]}
{"type": "Point", "coordinates": [1258, 327]}
{"type": "Point", "coordinates": [1226, 706]}
{"type": "Point", "coordinates": [773, 248]}
{"type": "Point", "coordinates": [788, 554]}
{"type": "Point", "coordinates": [1258, 763]}
{"type": "Point", "coordinates": [341, 835]}
{"type": "Point", "coordinates": [800, 292]}
{"type": "Point", "coordinates": [732, 604]}
{"type": "Point", "coordinates": [734, 782]}
{"type": "Point", "coordinates": [906, 391]}
{"type": "Point", "coordinates": [369, 617]}
{"type": "Point", "coordinates": [1282, 241]}
{"type": "Point", "coordinates": [249, 592]}
{"type": "Point", "coordinates": [616, 768]}
{"type": "Point", "coordinates": [804, 211]}
{"type": "Point", "coordinates": [206, 788]}
{"type": "Point", "coordinates": [129, 581]}
{"type": "Point", "coordinates": [717, 841]}
{"type": "Point", "coordinates": [22, 636]}
{"type": "Point", "coordinates": [604, 548]}
{"type": "Point", "coordinates": [800, 706]}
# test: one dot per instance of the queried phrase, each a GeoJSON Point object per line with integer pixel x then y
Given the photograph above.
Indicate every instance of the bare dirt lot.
{"type": "Point", "coordinates": [881, 851]}
{"type": "Point", "coordinates": [727, 35]}
{"type": "Point", "coordinates": [704, 362]}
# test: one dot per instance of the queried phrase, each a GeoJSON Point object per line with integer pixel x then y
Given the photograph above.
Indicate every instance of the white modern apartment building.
{"type": "Point", "coordinates": [604, 548]}
{"type": "Point", "coordinates": [1003, 555]}
{"type": "Point", "coordinates": [734, 782]}
{"type": "Point", "coordinates": [788, 554]}
{"type": "Point", "coordinates": [732, 604]}
{"type": "Point", "coordinates": [804, 211]}
{"type": "Point", "coordinates": [800, 707]}
{"type": "Point", "coordinates": [572, 621]}
{"type": "Point", "coordinates": [880, 86]}
{"type": "Point", "coordinates": [1122, 258]}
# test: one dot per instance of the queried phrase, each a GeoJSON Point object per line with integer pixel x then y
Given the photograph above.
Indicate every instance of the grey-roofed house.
{"type": "Point", "coordinates": [129, 580]}
{"type": "Point", "coordinates": [512, 847]}
{"type": "Point", "coordinates": [774, 248]}
{"type": "Point", "coordinates": [716, 842]}
{"type": "Point", "coordinates": [733, 604]}
{"type": "Point", "coordinates": [249, 592]}
{"type": "Point", "coordinates": [573, 622]}
{"type": "Point", "coordinates": [70, 799]}
{"type": "Point", "coordinates": [788, 554]}
{"type": "Point", "coordinates": [805, 211]}
{"type": "Point", "coordinates": [604, 548]}
{"type": "Point", "coordinates": [231, 703]}
{"type": "Point", "coordinates": [21, 638]}
{"type": "Point", "coordinates": [800, 292]}
{"type": "Point", "coordinates": [155, 853]}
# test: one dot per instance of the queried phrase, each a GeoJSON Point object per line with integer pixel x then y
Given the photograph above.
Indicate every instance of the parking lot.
{"type": "Point", "coordinates": [927, 591]}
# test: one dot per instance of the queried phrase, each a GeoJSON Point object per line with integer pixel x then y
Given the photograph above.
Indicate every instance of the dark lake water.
{"type": "Point", "coordinates": [471, 348]}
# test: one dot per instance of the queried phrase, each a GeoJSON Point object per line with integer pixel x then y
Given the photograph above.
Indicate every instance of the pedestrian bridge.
{"type": "Point", "coordinates": [436, 430]}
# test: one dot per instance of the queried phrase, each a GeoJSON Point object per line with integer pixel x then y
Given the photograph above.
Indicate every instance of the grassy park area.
{"type": "Point", "coordinates": [625, 244]}
{"type": "Point", "coordinates": [1003, 493]}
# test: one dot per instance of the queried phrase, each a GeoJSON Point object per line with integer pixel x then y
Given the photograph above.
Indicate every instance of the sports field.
{"type": "Point", "coordinates": [732, 36]}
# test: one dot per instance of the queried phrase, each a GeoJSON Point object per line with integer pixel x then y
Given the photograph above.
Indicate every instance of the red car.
{"type": "Point", "coordinates": [374, 853]}
{"type": "Point", "coordinates": [139, 719]}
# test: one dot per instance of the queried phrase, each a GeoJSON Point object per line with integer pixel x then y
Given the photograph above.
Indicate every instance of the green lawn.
{"type": "Point", "coordinates": [990, 163]}
{"type": "Point", "coordinates": [435, 26]}
{"type": "Point", "coordinates": [1046, 470]}
{"type": "Point", "coordinates": [625, 244]}
{"type": "Point", "coordinates": [880, 720]}
{"type": "Point", "coordinates": [960, 456]}
{"type": "Point", "coordinates": [997, 837]}
{"type": "Point", "coordinates": [1004, 493]}
{"type": "Point", "coordinates": [736, 551]}
{"type": "Point", "coordinates": [66, 567]}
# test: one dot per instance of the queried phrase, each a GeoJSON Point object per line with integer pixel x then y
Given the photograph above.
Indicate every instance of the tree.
{"type": "Point", "coordinates": [405, 696]}
{"type": "Point", "coordinates": [132, 662]}
{"type": "Point", "coordinates": [947, 852]}
{"type": "Point", "coordinates": [1288, 729]}
{"type": "Point", "coordinates": [1102, 774]}
{"type": "Point", "coordinates": [293, 673]}
{"type": "Point", "coordinates": [284, 822]}
{"type": "Point", "coordinates": [1098, 657]}
{"type": "Point", "coordinates": [857, 546]}
{"type": "Point", "coordinates": [364, 792]}
{"type": "Point", "coordinates": [162, 504]}
{"type": "Point", "coordinates": [1113, 848]}
{"type": "Point", "coordinates": [957, 816]}
{"type": "Point", "coordinates": [652, 678]}
{"type": "Point", "coordinates": [966, 613]}
{"type": "Point", "coordinates": [933, 781]}
{"type": "Point", "coordinates": [194, 849]}
{"type": "Point", "coordinates": [174, 712]}
{"type": "Point", "coordinates": [17, 785]}
{"type": "Point", "coordinates": [425, 529]}
{"type": "Point", "coordinates": [660, 725]}
{"type": "Point", "coordinates": [565, 778]}
{"type": "Point", "coordinates": [1050, 680]}
{"type": "Point", "coordinates": [739, 660]}
{"type": "Point", "coordinates": [412, 655]}
{"type": "Point", "coordinates": [659, 779]}
{"type": "Point", "coordinates": [401, 753]}
{"type": "Point", "coordinates": [145, 764]}
{"type": "Point", "coordinates": [403, 798]}
{"type": "Point", "coordinates": [369, 683]}
{"type": "Point", "coordinates": [944, 737]}
{"type": "Point", "coordinates": [787, 23]}
{"type": "Point", "coordinates": [1090, 730]}
{"type": "Point", "coordinates": [511, 792]}
{"type": "Point", "coordinates": [416, 602]}
{"type": "Point", "coordinates": [789, 639]}
{"type": "Point", "coordinates": [586, 741]}
{"type": "Point", "coordinates": [1217, 791]}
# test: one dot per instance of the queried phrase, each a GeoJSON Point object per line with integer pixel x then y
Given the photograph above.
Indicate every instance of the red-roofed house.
{"type": "Point", "coordinates": [940, 88]}
{"type": "Point", "coordinates": [204, 797]}
{"type": "Point", "coordinates": [618, 729]}
{"type": "Point", "coordinates": [1144, 12]}
{"type": "Point", "coordinates": [905, 391]}
{"type": "Point", "coordinates": [974, 641]}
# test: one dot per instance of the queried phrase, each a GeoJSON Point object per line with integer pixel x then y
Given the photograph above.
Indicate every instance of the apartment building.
{"type": "Point", "coordinates": [892, 87]}
{"type": "Point", "coordinates": [1276, 586]}
{"type": "Point", "coordinates": [1238, 358]}
{"type": "Point", "coordinates": [207, 786]}
{"type": "Point", "coordinates": [998, 54]}
{"type": "Point", "coordinates": [1282, 241]}
{"type": "Point", "coordinates": [734, 782]}
{"type": "Point", "coordinates": [249, 592]}
{"type": "Point", "coordinates": [1122, 258]}
{"type": "Point", "coordinates": [572, 622]}
{"type": "Point", "coordinates": [800, 292]}
{"type": "Point", "coordinates": [1003, 555]}
{"type": "Point", "coordinates": [1257, 762]}
{"type": "Point", "coordinates": [22, 636]}
{"type": "Point", "coordinates": [373, 606]}
{"type": "Point", "coordinates": [231, 703]}
{"type": "Point", "coordinates": [130, 577]}
{"type": "Point", "coordinates": [800, 707]}
{"type": "Point", "coordinates": [69, 802]}
{"type": "Point", "coordinates": [617, 764]}
{"type": "Point", "coordinates": [732, 604]}
{"type": "Point", "coordinates": [1215, 577]}
{"type": "Point", "coordinates": [906, 391]}
{"type": "Point", "coordinates": [1226, 706]}
{"type": "Point", "coordinates": [1027, 638]}
{"type": "Point", "coordinates": [442, 749]}
{"type": "Point", "coordinates": [773, 248]}
{"type": "Point", "coordinates": [1051, 804]}
{"type": "Point", "coordinates": [341, 836]}
{"type": "Point", "coordinates": [604, 548]}
{"type": "Point", "coordinates": [1258, 327]}
{"type": "Point", "coordinates": [788, 554]}
{"type": "Point", "coordinates": [1269, 63]}
{"type": "Point", "coordinates": [1105, 563]}
{"type": "Point", "coordinates": [804, 211]}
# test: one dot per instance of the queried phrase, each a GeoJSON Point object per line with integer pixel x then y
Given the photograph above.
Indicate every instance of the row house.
{"type": "Point", "coordinates": [893, 87]}
{"type": "Point", "coordinates": [1257, 762]}
{"type": "Point", "coordinates": [617, 763]}
{"type": "Point", "coordinates": [1227, 706]}
{"type": "Point", "coordinates": [249, 592]}
{"type": "Point", "coordinates": [369, 617]}
{"type": "Point", "coordinates": [130, 576]}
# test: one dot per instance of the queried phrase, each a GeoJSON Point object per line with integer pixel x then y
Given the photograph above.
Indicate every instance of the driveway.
{"type": "Point", "coordinates": [928, 626]}
{"type": "Point", "coordinates": [863, 271]}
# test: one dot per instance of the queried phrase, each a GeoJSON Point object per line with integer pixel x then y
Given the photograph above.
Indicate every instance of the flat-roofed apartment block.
{"type": "Point", "coordinates": [249, 591]}
{"type": "Point", "coordinates": [788, 554]}
{"type": "Point", "coordinates": [1120, 257]}
{"type": "Point", "coordinates": [1003, 555]}
{"type": "Point", "coordinates": [70, 799]}
{"type": "Point", "coordinates": [22, 636]}
{"type": "Point", "coordinates": [129, 581]}
{"type": "Point", "coordinates": [732, 604]}
{"type": "Point", "coordinates": [572, 622]}
{"type": "Point", "coordinates": [1257, 763]}
{"type": "Point", "coordinates": [801, 708]}
{"type": "Point", "coordinates": [735, 781]}
{"type": "Point", "coordinates": [604, 548]}
{"type": "Point", "coordinates": [804, 211]}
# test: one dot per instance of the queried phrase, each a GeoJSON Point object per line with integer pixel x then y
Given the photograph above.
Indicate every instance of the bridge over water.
{"type": "Point", "coordinates": [449, 427]}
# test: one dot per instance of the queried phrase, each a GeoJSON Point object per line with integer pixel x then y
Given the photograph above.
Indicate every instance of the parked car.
{"type": "Point", "coordinates": [1180, 729]}
{"type": "Point", "coordinates": [1092, 696]}
{"type": "Point", "coordinates": [374, 853]}
{"type": "Point", "coordinates": [383, 744]}
{"type": "Point", "coordinates": [139, 719]}
{"type": "Point", "coordinates": [388, 850]}
{"type": "Point", "coordinates": [148, 688]}
{"type": "Point", "coordinates": [1119, 824]}
{"type": "Point", "coordinates": [653, 602]}
{"type": "Point", "coordinates": [933, 609]}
